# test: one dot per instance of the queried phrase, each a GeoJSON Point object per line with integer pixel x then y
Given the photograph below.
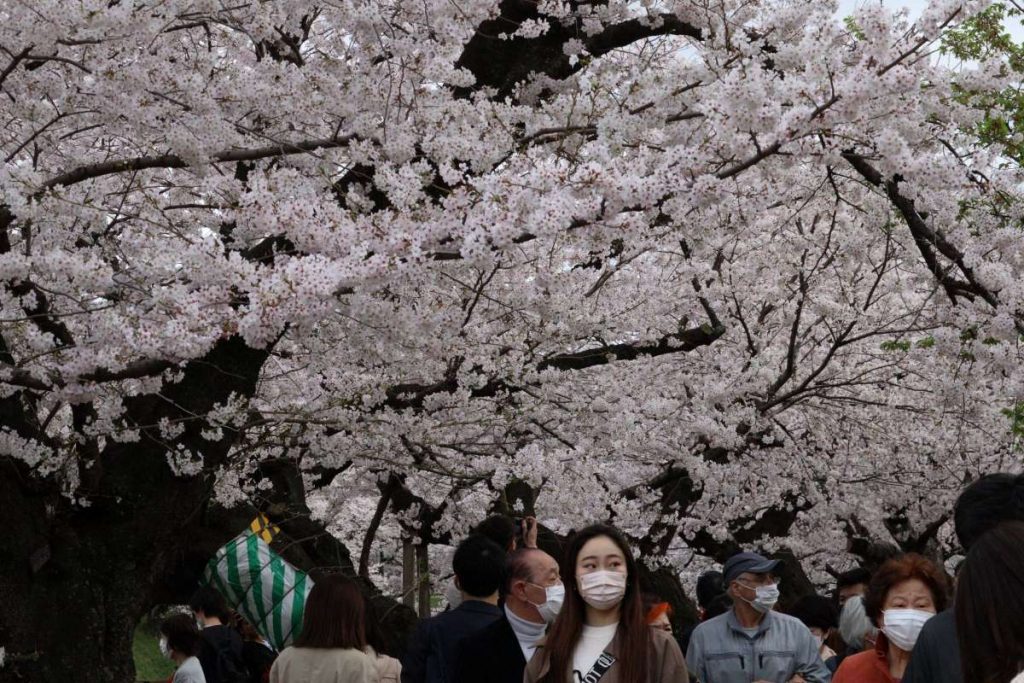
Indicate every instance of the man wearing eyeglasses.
{"type": "Point", "coordinates": [751, 643]}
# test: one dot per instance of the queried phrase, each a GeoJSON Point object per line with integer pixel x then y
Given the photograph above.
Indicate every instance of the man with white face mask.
{"type": "Point", "coordinates": [533, 594]}
{"type": "Point", "coordinates": [751, 643]}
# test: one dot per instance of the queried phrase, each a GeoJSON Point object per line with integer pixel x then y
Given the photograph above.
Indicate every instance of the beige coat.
{"type": "Point", "coordinates": [389, 669]}
{"type": "Point", "coordinates": [314, 665]}
{"type": "Point", "coordinates": [665, 663]}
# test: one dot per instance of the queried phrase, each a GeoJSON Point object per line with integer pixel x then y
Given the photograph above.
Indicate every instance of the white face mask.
{"type": "Point", "coordinates": [903, 626]}
{"type": "Point", "coordinates": [164, 649]}
{"type": "Point", "coordinates": [766, 598]}
{"type": "Point", "coordinates": [552, 605]}
{"type": "Point", "coordinates": [602, 589]}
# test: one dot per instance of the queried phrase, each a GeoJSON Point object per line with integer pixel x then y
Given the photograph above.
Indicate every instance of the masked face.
{"type": "Point", "coordinates": [601, 573]}
{"type": "Point", "coordinates": [765, 595]}
{"type": "Point", "coordinates": [164, 649]}
{"type": "Point", "coordinates": [908, 605]}
{"type": "Point", "coordinates": [903, 626]}
{"type": "Point", "coordinates": [602, 589]}
{"type": "Point", "coordinates": [552, 605]}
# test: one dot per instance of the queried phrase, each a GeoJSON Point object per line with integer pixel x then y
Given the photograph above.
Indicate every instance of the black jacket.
{"type": "Point", "coordinates": [258, 659]}
{"type": "Point", "coordinates": [492, 654]}
{"type": "Point", "coordinates": [936, 655]}
{"type": "Point", "coordinates": [221, 655]}
{"type": "Point", "coordinates": [431, 654]}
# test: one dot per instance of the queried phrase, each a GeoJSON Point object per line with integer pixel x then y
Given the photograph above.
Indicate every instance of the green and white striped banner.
{"type": "Point", "coordinates": [261, 586]}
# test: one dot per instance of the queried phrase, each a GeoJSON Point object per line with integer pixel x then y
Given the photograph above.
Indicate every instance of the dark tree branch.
{"type": "Point", "coordinates": [503, 64]}
{"type": "Point", "coordinates": [927, 239]}
{"type": "Point", "coordinates": [371, 529]}
{"type": "Point", "coordinates": [679, 342]}
{"type": "Point", "coordinates": [90, 171]}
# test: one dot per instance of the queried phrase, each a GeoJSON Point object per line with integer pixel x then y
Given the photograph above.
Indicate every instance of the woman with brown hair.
{"type": "Point", "coordinates": [601, 632]}
{"type": "Point", "coordinates": [990, 607]}
{"type": "Point", "coordinates": [904, 594]}
{"type": "Point", "coordinates": [331, 646]}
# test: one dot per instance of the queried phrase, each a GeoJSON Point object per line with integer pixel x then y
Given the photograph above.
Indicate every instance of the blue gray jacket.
{"type": "Point", "coordinates": [722, 652]}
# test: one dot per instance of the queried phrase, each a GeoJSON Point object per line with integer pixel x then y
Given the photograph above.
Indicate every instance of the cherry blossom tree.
{"type": "Point", "coordinates": [720, 272]}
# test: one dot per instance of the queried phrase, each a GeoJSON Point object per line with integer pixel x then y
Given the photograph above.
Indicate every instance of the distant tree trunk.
{"type": "Point", "coordinates": [308, 545]}
{"type": "Point", "coordinates": [423, 567]}
{"type": "Point", "coordinates": [409, 582]}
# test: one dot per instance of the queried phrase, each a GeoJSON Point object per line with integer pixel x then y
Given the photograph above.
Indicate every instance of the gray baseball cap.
{"type": "Point", "coordinates": [741, 563]}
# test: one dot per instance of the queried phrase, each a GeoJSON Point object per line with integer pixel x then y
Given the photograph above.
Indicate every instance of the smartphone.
{"type": "Point", "coordinates": [520, 531]}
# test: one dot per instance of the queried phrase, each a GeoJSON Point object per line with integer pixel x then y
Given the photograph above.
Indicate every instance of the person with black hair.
{"type": "Point", "coordinates": [850, 583]}
{"type": "Point", "coordinates": [989, 501]}
{"type": "Point", "coordinates": [221, 653]}
{"type": "Point", "coordinates": [710, 585]}
{"type": "Point", "coordinates": [819, 614]}
{"type": "Point", "coordinates": [510, 534]}
{"type": "Point", "coordinates": [533, 594]}
{"type": "Point", "coordinates": [711, 601]}
{"type": "Point", "coordinates": [180, 642]}
{"type": "Point", "coordinates": [601, 633]}
{"type": "Point", "coordinates": [990, 607]}
{"type": "Point", "coordinates": [479, 570]}
{"type": "Point", "coordinates": [257, 652]}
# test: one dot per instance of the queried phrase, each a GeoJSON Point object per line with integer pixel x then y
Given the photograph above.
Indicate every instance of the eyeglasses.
{"type": "Point", "coordinates": [759, 580]}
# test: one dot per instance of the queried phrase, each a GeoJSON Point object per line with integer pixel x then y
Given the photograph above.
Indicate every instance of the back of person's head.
{"type": "Point", "coordinates": [990, 606]}
{"type": "Point", "coordinates": [479, 566]}
{"type": "Point", "coordinates": [853, 577]}
{"type": "Point", "coordinates": [335, 615]}
{"type": "Point", "coordinates": [902, 568]}
{"type": "Point", "coordinates": [500, 529]}
{"type": "Point", "coordinates": [816, 611]}
{"type": "Point", "coordinates": [211, 603]}
{"type": "Point", "coordinates": [718, 606]}
{"type": "Point", "coordinates": [182, 634]}
{"type": "Point", "coordinates": [992, 499]}
{"type": "Point", "coordinates": [710, 585]}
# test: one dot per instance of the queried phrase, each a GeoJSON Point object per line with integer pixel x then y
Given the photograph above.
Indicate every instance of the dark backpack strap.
{"type": "Point", "coordinates": [600, 668]}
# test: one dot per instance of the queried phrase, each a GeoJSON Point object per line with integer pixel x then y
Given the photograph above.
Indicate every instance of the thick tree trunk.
{"type": "Point", "coordinates": [76, 576]}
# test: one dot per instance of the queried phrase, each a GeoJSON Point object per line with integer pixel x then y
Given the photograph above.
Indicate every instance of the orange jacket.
{"type": "Point", "coordinates": [870, 666]}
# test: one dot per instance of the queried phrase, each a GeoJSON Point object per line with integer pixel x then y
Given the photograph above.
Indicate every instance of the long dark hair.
{"type": "Point", "coordinates": [634, 634]}
{"type": "Point", "coordinates": [990, 606]}
{"type": "Point", "coordinates": [335, 615]}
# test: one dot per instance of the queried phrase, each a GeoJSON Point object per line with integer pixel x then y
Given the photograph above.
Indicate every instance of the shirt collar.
{"type": "Point", "coordinates": [735, 625]}
{"type": "Point", "coordinates": [526, 631]}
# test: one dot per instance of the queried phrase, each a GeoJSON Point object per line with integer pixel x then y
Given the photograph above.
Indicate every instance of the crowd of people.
{"type": "Point", "coordinates": [520, 616]}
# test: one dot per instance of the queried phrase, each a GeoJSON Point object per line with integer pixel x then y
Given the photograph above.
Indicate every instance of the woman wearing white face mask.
{"type": "Point", "coordinates": [906, 592]}
{"type": "Point", "coordinates": [601, 633]}
{"type": "Point", "coordinates": [180, 642]}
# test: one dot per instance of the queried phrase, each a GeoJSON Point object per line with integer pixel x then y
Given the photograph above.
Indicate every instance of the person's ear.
{"type": "Point", "coordinates": [458, 584]}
